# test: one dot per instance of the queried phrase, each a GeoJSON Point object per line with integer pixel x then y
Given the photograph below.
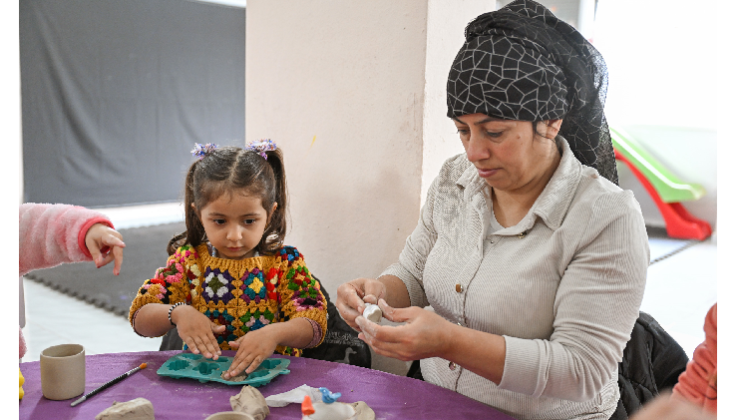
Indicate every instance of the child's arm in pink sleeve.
{"type": "Point", "coordinates": [51, 234]}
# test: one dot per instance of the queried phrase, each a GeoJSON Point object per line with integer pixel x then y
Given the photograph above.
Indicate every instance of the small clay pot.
{"type": "Point", "coordinates": [229, 415]}
{"type": "Point", "coordinates": [63, 371]}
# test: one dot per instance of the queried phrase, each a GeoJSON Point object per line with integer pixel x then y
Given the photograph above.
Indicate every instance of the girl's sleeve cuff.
{"type": "Point", "coordinates": [83, 233]}
{"type": "Point", "coordinates": [317, 333]}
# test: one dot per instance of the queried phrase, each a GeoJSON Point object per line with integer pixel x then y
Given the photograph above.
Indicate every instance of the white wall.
{"type": "Point", "coordinates": [446, 23]}
{"type": "Point", "coordinates": [352, 75]}
{"type": "Point", "coordinates": [662, 59]}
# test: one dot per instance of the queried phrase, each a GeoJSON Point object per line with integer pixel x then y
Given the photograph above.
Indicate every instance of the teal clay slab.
{"type": "Point", "coordinates": [195, 366]}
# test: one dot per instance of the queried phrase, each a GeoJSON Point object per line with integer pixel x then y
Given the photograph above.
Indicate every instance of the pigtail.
{"type": "Point", "coordinates": [194, 231]}
{"type": "Point", "coordinates": [277, 226]}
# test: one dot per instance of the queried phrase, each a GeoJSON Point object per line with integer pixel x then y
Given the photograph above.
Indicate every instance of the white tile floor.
{"type": "Point", "coordinates": [680, 290]}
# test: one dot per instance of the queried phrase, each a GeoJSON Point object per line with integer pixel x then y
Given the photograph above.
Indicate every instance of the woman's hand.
{"type": "Point", "coordinates": [105, 245]}
{"type": "Point", "coordinates": [351, 298]}
{"type": "Point", "coordinates": [196, 330]}
{"type": "Point", "coordinates": [425, 333]}
{"type": "Point", "coordinates": [252, 349]}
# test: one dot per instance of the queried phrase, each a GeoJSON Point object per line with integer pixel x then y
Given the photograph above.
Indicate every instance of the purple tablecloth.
{"type": "Point", "coordinates": [390, 396]}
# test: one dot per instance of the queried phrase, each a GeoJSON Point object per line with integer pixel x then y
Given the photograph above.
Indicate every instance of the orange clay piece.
{"type": "Point", "coordinates": [307, 407]}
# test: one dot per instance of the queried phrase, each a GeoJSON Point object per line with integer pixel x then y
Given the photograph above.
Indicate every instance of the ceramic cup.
{"type": "Point", "coordinates": [230, 415]}
{"type": "Point", "coordinates": [63, 371]}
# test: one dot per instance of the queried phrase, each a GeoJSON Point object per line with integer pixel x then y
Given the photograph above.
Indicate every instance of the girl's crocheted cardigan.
{"type": "Point", "coordinates": [244, 295]}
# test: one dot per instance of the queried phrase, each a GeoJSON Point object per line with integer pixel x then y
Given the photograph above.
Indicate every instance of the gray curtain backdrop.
{"type": "Point", "coordinates": [116, 92]}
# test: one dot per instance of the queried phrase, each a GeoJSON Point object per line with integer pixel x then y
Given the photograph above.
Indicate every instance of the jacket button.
{"type": "Point", "coordinates": [453, 366]}
{"type": "Point", "coordinates": [458, 288]}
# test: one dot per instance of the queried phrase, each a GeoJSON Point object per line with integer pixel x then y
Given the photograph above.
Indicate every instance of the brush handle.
{"type": "Point", "coordinates": [113, 381]}
{"type": "Point", "coordinates": [107, 384]}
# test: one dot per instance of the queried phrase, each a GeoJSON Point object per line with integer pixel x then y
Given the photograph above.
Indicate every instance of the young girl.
{"type": "Point", "coordinates": [229, 281]}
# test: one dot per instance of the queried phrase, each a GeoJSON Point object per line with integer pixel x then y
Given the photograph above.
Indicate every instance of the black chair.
{"type": "Point", "coordinates": [171, 341]}
{"type": "Point", "coordinates": [340, 343]}
{"type": "Point", "coordinates": [651, 362]}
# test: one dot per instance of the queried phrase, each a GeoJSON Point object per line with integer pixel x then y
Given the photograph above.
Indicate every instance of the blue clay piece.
{"type": "Point", "coordinates": [327, 397]}
{"type": "Point", "coordinates": [195, 366]}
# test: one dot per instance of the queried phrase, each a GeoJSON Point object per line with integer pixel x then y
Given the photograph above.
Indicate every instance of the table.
{"type": "Point", "coordinates": [390, 396]}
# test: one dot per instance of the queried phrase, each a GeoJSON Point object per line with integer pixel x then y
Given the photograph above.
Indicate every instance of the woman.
{"type": "Point", "coordinates": [533, 263]}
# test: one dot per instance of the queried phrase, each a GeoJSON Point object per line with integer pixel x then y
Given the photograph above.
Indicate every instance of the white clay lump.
{"type": "Point", "coordinates": [372, 313]}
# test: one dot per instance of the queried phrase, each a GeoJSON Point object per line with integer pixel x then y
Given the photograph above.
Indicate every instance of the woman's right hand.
{"type": "Point", "coordinates": [197, 331]}
{"type": "Point", "coordinates": [351, 298]}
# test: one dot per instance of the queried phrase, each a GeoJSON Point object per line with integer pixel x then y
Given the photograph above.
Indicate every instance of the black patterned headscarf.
{"type": "Point", "coordinates": [522, 63]}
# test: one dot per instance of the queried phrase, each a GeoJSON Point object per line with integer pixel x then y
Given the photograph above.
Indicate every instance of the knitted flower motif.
{"type": "Point", "coordinates": [256, 285]}
{"type": "Point", "coordinates": [202, 151]}
{"type": "Point", "coordinates": [195, 270]}
{"type": "Point", "coordinates": [289, 254]}
{"type": "Point", "coordinates": [304, 304]}
{"type": "Point", "coordinates": [216, 285]}
{"type": "Point", "coordinates": [262, 146]}
{"type": "Point", "coordinates": [250, 323]}
{"type": "Point", "coordinates": [174, 278]}
{"type": "Point", "coordinates": [154, 290]}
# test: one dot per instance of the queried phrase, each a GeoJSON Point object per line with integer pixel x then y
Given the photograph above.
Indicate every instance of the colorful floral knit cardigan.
{"type": "Point", "coordinates": [245, 295]}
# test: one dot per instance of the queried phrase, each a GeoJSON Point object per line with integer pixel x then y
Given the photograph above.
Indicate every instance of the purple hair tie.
{"type": "Point", "coordinates": [202, 151]}
{"type": "Point", "coordinates": [262, 146]}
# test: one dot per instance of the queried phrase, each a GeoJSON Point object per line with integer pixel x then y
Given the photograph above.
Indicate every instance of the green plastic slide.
{"type": "Point", "coordinates": [669, 187]}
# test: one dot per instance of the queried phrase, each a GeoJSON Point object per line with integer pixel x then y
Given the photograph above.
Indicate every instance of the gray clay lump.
{"type": "Point", "coordinates": [250, 401]}
{"type": "Point", "coordinates": [136, 409]}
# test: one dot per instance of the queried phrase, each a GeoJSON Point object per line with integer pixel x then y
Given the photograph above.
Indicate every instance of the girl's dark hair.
{"type": "Point", "coordinates": [227, 170]}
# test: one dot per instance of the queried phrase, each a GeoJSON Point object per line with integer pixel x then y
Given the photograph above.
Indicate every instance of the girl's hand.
{"type": "Point", "coordinates": [666, 408]}
{"type": "Point", "coordinates": [351, 298]}
{"type": "Point", "coordinates": [105, 245]}
{"type": "Point", "coordinates": [196, 330]}
{"type": "Point", "coordinates": [252, 349]}
{"type": "Point", "coordinates": [425, 333]}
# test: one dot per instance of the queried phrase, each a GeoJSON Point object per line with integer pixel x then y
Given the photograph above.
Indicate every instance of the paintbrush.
{"type": "Point", "coordinates": [109, 383]}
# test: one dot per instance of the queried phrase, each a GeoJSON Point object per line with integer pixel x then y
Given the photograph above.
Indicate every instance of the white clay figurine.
{"type": "Point", "coordinates": [372, 313]}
